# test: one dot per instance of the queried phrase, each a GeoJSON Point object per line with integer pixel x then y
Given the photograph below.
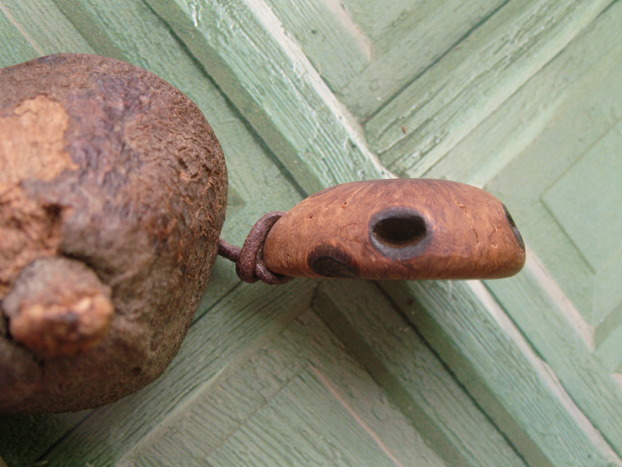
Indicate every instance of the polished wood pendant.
{"type": "Point", "coordinates": [397, 229]}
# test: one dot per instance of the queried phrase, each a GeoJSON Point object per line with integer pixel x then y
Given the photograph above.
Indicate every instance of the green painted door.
{"type": "Point", "coordinates": [521, 97]}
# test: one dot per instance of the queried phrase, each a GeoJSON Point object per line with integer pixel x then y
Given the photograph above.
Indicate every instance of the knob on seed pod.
{"type": "Point", "coordinates": [112, 198]}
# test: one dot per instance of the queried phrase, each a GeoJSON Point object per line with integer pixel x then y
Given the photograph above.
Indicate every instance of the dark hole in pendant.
{"type": "Point", "coordinates": [517, 233]}
{"type": "Point", "coordinates": [399, 233]}
{"type": "Point", "coordinates": [398, 228]}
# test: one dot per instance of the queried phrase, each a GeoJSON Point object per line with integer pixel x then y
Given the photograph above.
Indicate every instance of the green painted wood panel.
{"type": "Point", "coordinates": [588, 296]}
{"type": "Point", "coordinates": [230, 333]}
{"type": "Point", "coordinates": [560, 175]}
{"type": "Point", "coordinates": [436, 111]}
{"type": "Point", "coordinates": [358, 46]}
{"type": "Point", "coordinates": [522, 97]}
{"type": "Point", "coordinates": [400, 360]}
{"type": "Point", "coordinates": [501, 370]}
{"type": "Point", "coordinates": [25, 35]}
{"type": "Point", "coordinates": [273, 410]}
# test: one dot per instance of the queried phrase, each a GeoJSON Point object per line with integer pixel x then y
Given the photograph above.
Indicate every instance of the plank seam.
{"type": "Point", "coordinates": [450, 370]}
{"type": "Point", "coordinates": [5, 11]}
{"type": "Point", "coordinates": [356, 346]}
{"type": "Point", "coordinates": [437, 60]}
{"type": "Point", "coordinates": [396, 158]}
{"type": "Point", "coordinates": [373, 435]}
{"type": "Point", "coordinates": [296, 55]}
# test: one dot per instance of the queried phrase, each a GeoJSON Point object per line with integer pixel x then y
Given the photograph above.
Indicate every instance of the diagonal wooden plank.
{"type": "Point", "coordinates": [490, 356]}
{"type": "Point", "coordinates": [300, 400]}
{"type": "Point", "coordinates": [413, 376]}
{"type": "Point", "coordinates": [43, 27]}
{"type": "Point", "coordinates": [245, 50]}
{"type": "Point", "coordinates": [549, 316]}
{"type": "Point", "coordinates": [408, 46]}
{"type": "Point", "coordinates": [585, 378]}
{"type": "Point", "coordinates": [551, 119]}
{"type": "Point", "coordinates": [232, 332]}
{"type": "Point", "coordinates": [338, 48]}
{"type": "Point", "coordinates": [556, 90]}
{"type": "Point", "coordinates": [22, 46]}
{"type": "Point", "coordinates": [367, 52]}
{"type": "Point", "coordinates": [549, 123]}
{"type": "Point", "coordinates": [556, 303]}
{"type": "Point", "coordinates": [428, 118]}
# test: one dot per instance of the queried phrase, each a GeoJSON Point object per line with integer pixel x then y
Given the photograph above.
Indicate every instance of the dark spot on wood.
{"type": "Point", "coordinates": [515, 230]}
{"type": "Point", "coordinates": [330, 261]}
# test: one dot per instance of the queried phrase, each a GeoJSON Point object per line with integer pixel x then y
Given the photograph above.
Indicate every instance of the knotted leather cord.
{"type": "Point", "coordinates": [249, 264]}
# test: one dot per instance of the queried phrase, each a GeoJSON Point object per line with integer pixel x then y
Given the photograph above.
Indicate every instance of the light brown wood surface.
{"type": "Point", "coordinates": [397, 229]}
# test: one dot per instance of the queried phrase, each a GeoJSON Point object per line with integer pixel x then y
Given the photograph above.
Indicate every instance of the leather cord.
{"type": "Point", "coordinates": [249, 264]}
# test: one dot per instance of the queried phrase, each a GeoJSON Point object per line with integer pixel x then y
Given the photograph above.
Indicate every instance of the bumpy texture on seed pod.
{"type": "Point", "coordinates": [112, 198]}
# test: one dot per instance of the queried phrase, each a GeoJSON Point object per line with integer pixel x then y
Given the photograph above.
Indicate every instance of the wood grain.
{"type": "Point", "coordinates": [283, 97]}
{"type": "Point", "coordinates": [419, 126]}
{"type": "Point", "coordinates": [24, 27]}
{"type": "Point", "coordinates": [275, 408]}
{"type": "Point", "coordinates": [359, 47]}
{"type": "Point", "coordinates": [242, 322]}
{"type": "Point", "coordinates": [400, 360]}
{"type": "Point", "coordinates": [396, 229]}
{"type": "Point", "coordinates": [568, 301]}
{"type": "Point", "coordinates": [502, 372]}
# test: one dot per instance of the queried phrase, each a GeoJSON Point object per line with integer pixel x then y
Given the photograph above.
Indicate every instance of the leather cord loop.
{"type": "Point", "coordinates": [249, 264]}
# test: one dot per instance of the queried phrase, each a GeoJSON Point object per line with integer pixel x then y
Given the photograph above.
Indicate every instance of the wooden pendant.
{"type": "Point", "coordinates": [397, 229]}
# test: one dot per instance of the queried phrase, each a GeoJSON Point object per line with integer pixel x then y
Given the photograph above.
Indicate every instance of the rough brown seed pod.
{"type": "Point", "coordinates": [396, 229]}
{"type": "Point", "coordinates": [112, 197]}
